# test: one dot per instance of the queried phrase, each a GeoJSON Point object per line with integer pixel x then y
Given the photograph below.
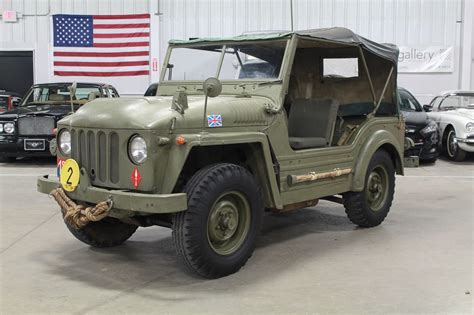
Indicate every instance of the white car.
{"type": "Point", "coordinates": [453, 111]}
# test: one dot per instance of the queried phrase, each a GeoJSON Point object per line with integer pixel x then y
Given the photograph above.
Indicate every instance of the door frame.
{"type": "Point", "coordinates": [33, 51]}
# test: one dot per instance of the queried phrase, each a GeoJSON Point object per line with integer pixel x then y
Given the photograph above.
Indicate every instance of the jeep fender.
{"type": "Point", "coordinates": [261, 160]}
{"type": "Point", "coordinates": [380, 139]}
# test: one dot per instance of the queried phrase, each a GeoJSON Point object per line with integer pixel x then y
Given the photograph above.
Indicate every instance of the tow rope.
{"type": "Point", "coordinates": [78, 216]}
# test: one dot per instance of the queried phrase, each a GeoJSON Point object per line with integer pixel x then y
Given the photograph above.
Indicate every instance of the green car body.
{"type": "Point", "coordinates": [253, 133]}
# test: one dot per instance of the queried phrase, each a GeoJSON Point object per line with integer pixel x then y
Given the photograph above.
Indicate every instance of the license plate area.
{"type": "Point", "coordinates": [34, 144]}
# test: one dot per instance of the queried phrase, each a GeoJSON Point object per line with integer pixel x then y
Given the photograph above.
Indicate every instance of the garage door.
{"type": "Point", "coordinates": [19, 67]}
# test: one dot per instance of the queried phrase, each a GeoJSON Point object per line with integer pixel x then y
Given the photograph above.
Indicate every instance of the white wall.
{"type": "Point", "coordinates": [403, 22]}
{"type": "Point", "coordinates": [33, 32]}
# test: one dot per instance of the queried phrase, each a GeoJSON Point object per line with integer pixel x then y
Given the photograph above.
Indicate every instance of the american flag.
{"type": "Point", "coordinates": [101, 45]}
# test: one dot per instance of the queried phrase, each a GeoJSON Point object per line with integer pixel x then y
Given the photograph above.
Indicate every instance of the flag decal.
{"type": "Point", "coordinates": [214, 121]}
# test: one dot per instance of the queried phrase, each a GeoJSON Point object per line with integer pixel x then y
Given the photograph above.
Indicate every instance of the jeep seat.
{"type": "Point", "coordinates": [311, 123]}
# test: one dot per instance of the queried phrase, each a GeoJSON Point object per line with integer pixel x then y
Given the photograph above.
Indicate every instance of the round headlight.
{"type": "Point", "coordinates": [9, 128]}
{"type": "Point", "coordinates": [137, 150]}
{"type": "Point", "coordinates": [1, 128]}
{"type": "Point", "coordinates": [64, 140]}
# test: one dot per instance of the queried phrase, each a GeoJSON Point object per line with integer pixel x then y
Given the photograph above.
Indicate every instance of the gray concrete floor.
{"type": "Point", "coordinates": [312, 261]}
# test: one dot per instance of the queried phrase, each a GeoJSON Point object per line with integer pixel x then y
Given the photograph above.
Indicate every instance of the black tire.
{"type": "Point", "coordinates": [108, 232]}
{"type": "Point", "coordinates": [358, 205]}
{"type": "Point", "coordinates": [429, 161]}
{"type": "Point", "coordinates": [452, 150]}
{"type": "Point", "coordinates": [7, 159]}
{"type": "Point", "coordinates": [192, 228]}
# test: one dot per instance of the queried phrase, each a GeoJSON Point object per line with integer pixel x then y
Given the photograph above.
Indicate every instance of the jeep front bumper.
{"type": "Point", "coordinates": [123, 201]}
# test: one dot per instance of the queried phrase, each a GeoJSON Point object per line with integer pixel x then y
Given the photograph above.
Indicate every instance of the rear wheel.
{"type": "Point", "coordinates": [108, 232]}
{"type": "Point", "coordinates": [369, 207]}
{"type": "Point", "coordinates": [453, 151]}
{"type": "Point", "coordinates": [216, 235]}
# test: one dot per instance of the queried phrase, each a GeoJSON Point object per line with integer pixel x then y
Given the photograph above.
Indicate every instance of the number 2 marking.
{"type": "Point", "coordinates": [70, 171]}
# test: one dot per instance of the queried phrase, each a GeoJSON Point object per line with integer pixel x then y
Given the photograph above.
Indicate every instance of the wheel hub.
{"type": "Point", "coordinates": [228, 223]}
{"type": "Point", "coordinates": [376, 188]}
{"type": "Point", "coordinates": [224, 218]}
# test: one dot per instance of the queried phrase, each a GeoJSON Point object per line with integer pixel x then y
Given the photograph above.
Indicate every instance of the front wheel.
{"type": "Point", "coordinates": [453, 151]}
{"type": "Point", "coordinates": [216, 235]}
{"type": "Point", "coordinates": [108, 232]}
{"type": "Point", "coordinates": [369, 207]}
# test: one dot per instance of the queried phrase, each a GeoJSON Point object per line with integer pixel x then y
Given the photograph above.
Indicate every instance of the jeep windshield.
{"type": "Point", "coordinates": [59, 94]}
{"type": "Point", "coordinates": [232, 61]}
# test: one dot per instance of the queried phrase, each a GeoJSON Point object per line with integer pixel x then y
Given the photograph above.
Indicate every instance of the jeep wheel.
{"type": "Point", "coordinates": [216, 235]}
{"type": "Point", "coordinates": [453, 151]}
{"type": "Point", "coordinates": [108, 232]}
{"type": "Point", "coordinates": [369, 207]}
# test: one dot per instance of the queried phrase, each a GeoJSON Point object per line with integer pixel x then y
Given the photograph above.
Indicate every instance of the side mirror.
{"type": "Point", "coordinates": [212, 87]}
{"type": "Point", "coordinates": [427, 108]}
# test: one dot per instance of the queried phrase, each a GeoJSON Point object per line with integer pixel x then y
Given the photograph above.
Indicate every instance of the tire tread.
{"type": "Point", "coordinates": [198, 189]}
{"type": "Point", "coordinates": [354, 202]}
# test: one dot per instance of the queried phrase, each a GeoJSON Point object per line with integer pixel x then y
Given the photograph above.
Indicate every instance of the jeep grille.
{"type": "Point", "coordinates": [98, 153]}
{"type": "Point", "coordinates": [34, 125]}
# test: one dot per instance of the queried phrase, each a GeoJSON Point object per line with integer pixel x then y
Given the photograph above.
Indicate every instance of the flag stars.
{"type": "Point", "coordinates": [73, 31]}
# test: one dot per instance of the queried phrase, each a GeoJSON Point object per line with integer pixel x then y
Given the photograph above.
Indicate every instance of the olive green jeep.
{"type": "Point", "coordinates": [239, 126]}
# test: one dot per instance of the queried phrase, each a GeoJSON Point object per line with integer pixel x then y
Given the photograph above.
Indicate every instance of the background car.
{"type": "Point", "coordinates": [151, 91]}
{"type": "Point", "coordinates": [28, 129]}
{"type": "Point", "coordinates": [9, 100]}
{"type": "Point", "coordinates": [419, 127]}
{"type": "Point", "coordinates": [453, 111]}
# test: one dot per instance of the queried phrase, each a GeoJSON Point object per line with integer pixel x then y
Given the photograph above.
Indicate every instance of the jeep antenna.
{"type": "Point", "coordinates": [72, 94]}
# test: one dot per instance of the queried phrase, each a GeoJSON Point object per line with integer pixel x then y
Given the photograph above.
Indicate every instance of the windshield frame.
{"type": "Point", "coordinates": [224, 44]}
{"type": "Point", "coordinates": [59, 85]}
{"type": "Point", "coordinates": [440, 109]}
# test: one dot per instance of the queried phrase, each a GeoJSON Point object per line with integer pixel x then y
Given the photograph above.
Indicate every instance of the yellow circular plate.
{"type": "Point", "coordinates": [70, 175]}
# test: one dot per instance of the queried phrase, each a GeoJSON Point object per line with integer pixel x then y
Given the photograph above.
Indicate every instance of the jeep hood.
{"type": "Point", "coordinates": [156, 113]}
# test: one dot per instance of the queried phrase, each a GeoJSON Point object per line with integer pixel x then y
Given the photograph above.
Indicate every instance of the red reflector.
{"type": "Point", "coordinates": [136, 178]}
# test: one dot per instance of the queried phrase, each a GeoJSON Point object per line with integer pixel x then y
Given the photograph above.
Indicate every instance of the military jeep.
{"type": "Point", "coordinates": [239, 126]}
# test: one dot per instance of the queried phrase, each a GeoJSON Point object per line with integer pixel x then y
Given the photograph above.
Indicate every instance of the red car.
{"type": "Point", "coordinates": [9, 100]}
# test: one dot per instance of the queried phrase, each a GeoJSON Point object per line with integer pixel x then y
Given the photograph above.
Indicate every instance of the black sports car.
{"type": "Point", "coordinates": [419, 127]}
{"type": "Point", "coordinates": [28, 129]}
